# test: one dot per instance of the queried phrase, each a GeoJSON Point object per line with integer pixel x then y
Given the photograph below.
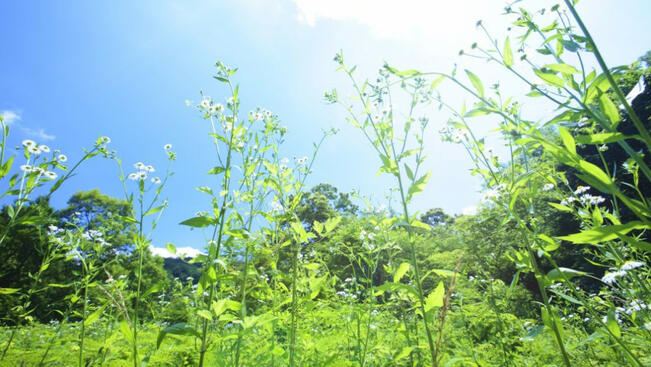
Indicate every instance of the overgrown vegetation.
{"type": "Point", "coordinates": [552, 270]}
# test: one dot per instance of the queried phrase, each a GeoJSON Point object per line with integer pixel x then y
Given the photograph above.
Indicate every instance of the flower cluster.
{"type": "Point", "coordinates": [583, 197]}
{"type": "Point", "coordinates": [259, 114]}
{"type": "Point", "coordinates": [33, 148]}
{"type": "Point", "coordinates": [611, 277]}
{"type": "Point", "coordinates": [210, 107]}
{"type": "Point", "coordinates": [367, 238]}
{"type": "Point", "coordinates": [454, 135]}
{"type": "Point", "coordinates": [495, 192]}
{"type": "Point", "coordinates": [276, 207]}
{"type": "Point", "coordinates": [142, 172]}
{"type": "Point", "coordinates": [38, 170]}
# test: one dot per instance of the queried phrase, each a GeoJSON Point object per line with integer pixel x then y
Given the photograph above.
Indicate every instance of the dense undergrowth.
{"type": "Point", "coordinates": [552, 269]}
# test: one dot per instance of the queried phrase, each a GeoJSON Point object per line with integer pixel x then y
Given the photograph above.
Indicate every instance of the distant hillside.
{"type": "Point", "coordinates": [181, 269]}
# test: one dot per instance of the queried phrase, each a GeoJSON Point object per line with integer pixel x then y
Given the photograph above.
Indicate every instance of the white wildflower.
{"type": "Point", "coordinates": [632, 265]}
{"type": "Point", "coordinates": [150, 168]}
{"type": "Point", "coordinates": [105, 139]}
{"type": "Point", "coordinates": [548, 187]}
{"type": "Point", "coordinates": [581, 189]}
{"type": "Point", "coordinates": [62, 158]}
{"type": "Point", "coordinates": [167, 146]}
{"type": "Point", "coordinates": [28, 143]}
{"type": "Point", "coordinates": [139, 165]}
{"type": "Point", "coordinates": [26, 168]}
{"type": "Point", "coordinates": [51, 175]}
{"type": "Point", "coordinates": [44, 148]}
{"type": "Point", "coordinates": [142, 175]}
{"type": "Point", "coordinates": [156, 180]}
{"type": "Point", "coordinates": [276, 206]}
{"type": "Point", "coordinates": [133, 176]}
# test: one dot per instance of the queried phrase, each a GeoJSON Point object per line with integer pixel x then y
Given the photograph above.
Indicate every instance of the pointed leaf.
{"type": "Point", "coordinates": [476, 82]}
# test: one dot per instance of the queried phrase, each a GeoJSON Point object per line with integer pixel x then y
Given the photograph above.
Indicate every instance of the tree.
{"type": "Point", "coordinates": [92, 210]}
{"type": "Point", "coordinates": [324, 201]}
{"type": "Point", "coordinates": [436, 216]}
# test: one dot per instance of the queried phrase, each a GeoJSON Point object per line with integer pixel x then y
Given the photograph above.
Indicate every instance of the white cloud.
{"type": "Point", "coordinates": [10, 116]}
{"type": "Point", "coordinates": [469, 210]}
{"type": "Point", "coordinates": [444, 20]}
{"type": "Point", "coordinates": [39, 133]}
{"type": "Point", "coordinates": [180, 251]}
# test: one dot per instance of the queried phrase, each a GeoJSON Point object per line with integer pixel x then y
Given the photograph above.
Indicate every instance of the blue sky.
{"type": "Point", "coordinates": [74, 70]}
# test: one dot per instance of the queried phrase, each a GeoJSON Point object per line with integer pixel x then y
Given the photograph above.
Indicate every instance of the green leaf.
{"type": "Point", "coordinates": [404, 353]}
{"type": "Point", "coordinates": [551, 244]}
{"type": "Point", "coordinates": [562, 68]}
{"type": "Point", "coordinates": [400, 272]}
{"type": "Point", "coordinates": [6, 167]}
{"type": "Point", "coordinates": [567, 297]}
{"type": "Point", "coordinates": [550, 78]}
{"type": "Point", "coordinates": [125, 329]}
{"type": "Point", "coordinates": [125, 219]}
{"type": "Point", "coordinates": [476, 82]}
{"type": "Point", "coordinates": [216, 170]}
{"type": "Point", "coordinates": [612, 324]}
{"type": "Point", "coordinates": [435, 299]}
{"type": "Point", "coordinates": [198, 222]}
{"type": "Point", "coordinates": [560, 207]}
{"type": "Point", "coordinates": [567, 140]}
{"type": "Point", "coordinates": [596, 172]}
{"type": "Point", "coordinates": [604, 233]}
{"type": "Point", "coordinates": [569, 45]}
{"type": "Point", "coordinates": [218, 307]}
{"type": "Point", "coordinates": [561, 273]}
{"type": "Point", "coordinates": [205, 314]}
{"type": "Point", "coordinates": [410, 173]}
{"type": "Point", "coordinates": [602, 138]}
{"type": "Point", "coordinates": [154, 210]}
{"type": "Point", "coordinates": [171, 248]}
{"type": "Point", "coordinates": [418, 185]}
{"type": "Point", "coordinates": [176, 329]}
{"type": "Point", "coordinates": [93, 317]}
{"type": "Point", "coordinates": [436, 82]}
{"type": "Point", "coordinates": [9, 290]}
{"type": "Point", "coordinates": [477, 112]}
{"type": "Point", "coordinates": [154, 289]}
{"type": "Point", "coordinates": [508, 54]}
{"type": "Point", "coordinates": [608, 108]}
{"type": "Point", "coordinates": [331, 224]}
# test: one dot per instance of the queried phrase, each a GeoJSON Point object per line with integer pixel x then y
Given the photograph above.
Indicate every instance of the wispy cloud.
{"type": "Point", "coordinates": [181, 251]}
{"type": "Point", "coordinates": [10, 116]}
{"type": "Point", "coordinates": [39, 133]}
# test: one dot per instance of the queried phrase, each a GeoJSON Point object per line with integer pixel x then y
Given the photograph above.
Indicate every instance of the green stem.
{"type": "Point", "coordinates": [219, 230]}
{"type": "Point", "coordinates": [11, 338]}
{"type": "Point", "coordinates": [292, 341]}
{"type": "Point", "coordinates": [83, 322]}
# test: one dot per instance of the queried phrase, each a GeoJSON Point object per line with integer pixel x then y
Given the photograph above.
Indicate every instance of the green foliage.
{"type": "Point", "coordinates": [552, 269]}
